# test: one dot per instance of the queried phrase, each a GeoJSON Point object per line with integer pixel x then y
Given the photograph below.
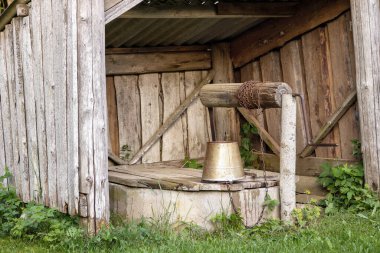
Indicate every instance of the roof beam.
{"type": "Point", "coordinates": [115, 8]}
{"type": "Point", "coordinates": [208, 12]}
{"type": "Point", "coordinates": [259, 9]}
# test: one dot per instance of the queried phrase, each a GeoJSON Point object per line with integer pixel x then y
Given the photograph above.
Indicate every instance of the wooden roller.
{"type": "Point", "coordinates": [258, 95]}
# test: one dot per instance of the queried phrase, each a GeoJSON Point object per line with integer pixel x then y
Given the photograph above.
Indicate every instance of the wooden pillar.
{"type": "Point", "coordinates": [227, 126]}
{"type": "Point", "coordinates": [366, 31]}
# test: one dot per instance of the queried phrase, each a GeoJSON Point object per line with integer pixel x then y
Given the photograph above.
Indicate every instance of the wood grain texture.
{"type": "Point", "coordinates": [271, 71]}
{"type": "Point", "coordinates": [5, 111]}
{"type": "Point", "coordinates": [149, 86]}
{"type": "Point", "coordinates": [36, 35]}
{"type": "Point", "coordinates": [227, 126]}
{"type": "Point", "coordinates": [318, 73]}
{"type": "Point", "coordinates": [129, 114]}
{"type": "Point", "coordinates": [173, 147]}
{"type": "Point", "coordinates": [123, 64]}
{"type": "Point", "coordinates": [263, 9]}
{"type": "Point", "coordinates": [30, 111]}
{"type": "Point", "coordinates": [47, 45]}
{"type": "Point", "coordinates": [293, 74]}
{"type": "Point", "coordinates": [275, 33]}
{"type": "Point", "coordinates": [365, 24]}
{"type": "Point", "coordinates": [343, 76]}
{"type": "Point", "coordinates": [20, 111]}
{"type": "Point", "coordinates": [197, 118]}
{"type": "Point", "coordinates": [13, 109]}
{"type": "Point", "coordinates": [113, 124]}
{"type": "Point", "coordinates": [72, 109]}
{"type": "Point", "coordinates": [115, 8]}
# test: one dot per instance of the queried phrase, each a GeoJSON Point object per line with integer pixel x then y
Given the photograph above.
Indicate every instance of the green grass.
{"type": "Point", "coordinates": [342, 232]}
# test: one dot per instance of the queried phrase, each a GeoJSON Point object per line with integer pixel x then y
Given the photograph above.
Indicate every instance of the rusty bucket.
{"type": "Point", "coordinates": [223, 162]}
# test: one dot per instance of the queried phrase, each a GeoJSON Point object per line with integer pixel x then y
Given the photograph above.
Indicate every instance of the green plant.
{"type": "Point", "coordinates": [247, 133]}
{"type": "Point", "coordinates": [357, 149]}
{"type": "Point", "coordinates": [346, 189]}
{"type": "Point", "coordinates": [270, 203]}
{"type": "Point", "coordinates": [306, 215]}
{"type": "Point", "coordinates": [10, 205]}
{"type": "Point", "coordinates": [225, 222]}
{"type": "Point", "coordinates": [192, 163]}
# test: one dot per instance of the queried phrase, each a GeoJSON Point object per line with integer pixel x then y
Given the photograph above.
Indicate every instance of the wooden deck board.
{"type": "Point", "coordinates": [171, 176]}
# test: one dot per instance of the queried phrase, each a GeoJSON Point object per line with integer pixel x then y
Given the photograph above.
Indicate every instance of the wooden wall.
{"type": "Point", "coordinates": [53, 107]}
{"type": "Point", "coordinates": [319, 64]}
{"type": "Point", "coordinates": [139, 104]}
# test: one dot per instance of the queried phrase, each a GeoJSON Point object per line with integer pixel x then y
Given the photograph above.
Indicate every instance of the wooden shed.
{"type": "Point", "coordinates": [84, 80]}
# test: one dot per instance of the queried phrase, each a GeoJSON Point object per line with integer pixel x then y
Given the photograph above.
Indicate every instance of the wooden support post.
{"type": "Point", "coordinates": [288, 157]}
{"type": "Point", "coordinates": [366, 31]}
{"type": "Point", "coordinates": [227, 126]}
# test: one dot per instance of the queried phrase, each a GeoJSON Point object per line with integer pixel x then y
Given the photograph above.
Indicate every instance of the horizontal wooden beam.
{"type": "Point", "coordinates": [259, 9]}
{"type": "Point", "coordinates": [136, 50]}
{"type": "Point", "coordinates": [10, 12]}
{"type": "Point", "coordinates": [124, 64]}
{"type": "Point", "coordinates": [310, 166]}
{"type": "Point", "coordinates": [275, 33]}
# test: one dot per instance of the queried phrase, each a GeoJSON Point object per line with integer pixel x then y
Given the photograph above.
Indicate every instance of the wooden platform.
{"type": "Point", "coordinates": [168, 191]}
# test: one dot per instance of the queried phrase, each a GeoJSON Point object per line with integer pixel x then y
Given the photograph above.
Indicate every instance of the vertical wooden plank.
{"type": "Point", "coordinates": [227, 125]}
{"type": "Point", "coordinates": [128, 114]}
{"type": "Point", "coordinates": [86, 108]}
{"type": "Point", "coordinates": [196, 118]}
{"type": "Point", "coordinates": [182, 94]}
{"type": "Point", "coordinates": [271, 71]}
{"type": "Point", "coordinates": [5, 108]}
{"type": "Point", "coordinates": [343, 76]}
{"type": "Point", "coordinates": [59, 9]}
{"type": "Point", "coordinates": [113, 124]}
{"type": "Point", "coordinates": [149, 86]}
{"type": "Point", "coordinates": [2, 149]}
{"type": "Point", "coordinates": [49, 91]}
{"type": "Point", "coordinates": [293, 74]}
{"type": "Point", "coordinates": [173, 147]}
{"type": "Point", "coordinates": [36, 35]}
{"type": "Point", "coordinates": [365, 24]}
{"type": "Point", "coordinates": [30, 110]}
{"type": "Point", "coordinates": [72, 109]}
{"type": "Point", "coordinates": [101, 202]}
{"type": "Point", "coordinates": [319, 87]}
{"type": "Point", "coordinates": [20, 110]}
{"type": "Point", "coordinates": [9, 48]}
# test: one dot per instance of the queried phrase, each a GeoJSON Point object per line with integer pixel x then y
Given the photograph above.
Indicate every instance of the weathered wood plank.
{"type": "Point", "coordinates": [9, 47]}
{"type": "Point", "coordinates": [20, 111]}
{"type": "Point", "coordinates": [30, 111]}
{"type": "Point", "coordinates": [139, 50]}
{"type": "Point", "coordinates": [2, 150]}
{"type": "Point", "coordinates": [271, 71]}
{"type": "Point", "coordinates": [36, 35]}
{"type": "Point", "coordinates": [128, 114]}
{"type": "Point", "coordinates": [318, 76]}
{"type": "Point", "coordinates": [309, 166]}
{"type": "Point", "coordinates": [100, 158]}
{"type": "Point", "coordinates": [5, 109]}
{"type": "Point", "coordinates": [182, 94]}
{"type": "Point", "coordinates": [365, 24]}
{"type": "Point", "coordinates": [227, 126]}
{"type": "Point", "coordinates": [275, 33]}
{"type": "Point", "coordinates": [172, 118]}
{"type": "Point", "coordinates": [292, 71]}
{"type": "Point", "coordinates": [72, 109]}
{"type": "Point", "coordinates": [149, 86]}
{"type": "Point", "coordinates": [259, 9]}
{"type": "Point", "coordinates": [173, 147]}
{"type": "Point", "coordinates": [113, 124]}
{"type": "Point", "coordinates": [118, 8]}
{"type": "Point", "coordinates": [48, 45]}
{"type": "Point", "coordinates": [343, 76]}
{"type": "Point", "coordinates": [197, 117]}
{"type": "Point", "coordinates": [123, 64]}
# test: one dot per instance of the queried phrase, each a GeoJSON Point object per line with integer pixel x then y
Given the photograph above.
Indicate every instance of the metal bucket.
{"type": "Point", "coordinates": [223, 162]}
